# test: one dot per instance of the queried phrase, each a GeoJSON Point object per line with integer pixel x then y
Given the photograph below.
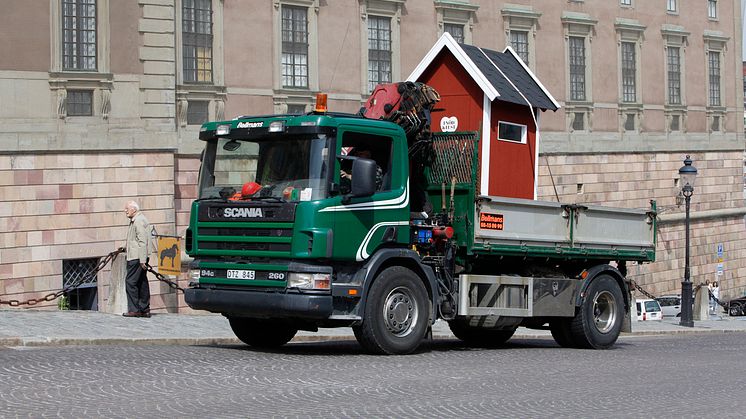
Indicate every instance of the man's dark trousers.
{"type": "Point", "coordinates": [138, 291]}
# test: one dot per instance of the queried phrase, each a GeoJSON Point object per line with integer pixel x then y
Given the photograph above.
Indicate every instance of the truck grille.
{"type": "Point", "coordinates": [271, 247]}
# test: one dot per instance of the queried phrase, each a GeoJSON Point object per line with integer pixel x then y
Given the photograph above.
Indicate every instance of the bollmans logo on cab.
{"type": "Point", "coordinates": [242, 213]}
{"type": "Point", "coordinates": [250, 124]}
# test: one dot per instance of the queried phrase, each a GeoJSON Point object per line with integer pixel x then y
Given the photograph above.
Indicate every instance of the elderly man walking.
{"type": "Point", "coordinates": [138, 291]}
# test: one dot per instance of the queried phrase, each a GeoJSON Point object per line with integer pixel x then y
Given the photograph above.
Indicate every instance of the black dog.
{"type": "Point", "coordinates": [169, 253]}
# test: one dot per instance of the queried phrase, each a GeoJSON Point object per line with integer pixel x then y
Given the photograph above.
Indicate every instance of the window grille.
{"type": "Point", "coordinates": [79, 103]}
{"type": "Point", "coordinates": [379, 51]}
{"type": "Point", "coordinates": [715, 123]}
{"type": "Point", "coordinates": [629, 122]}
{"type": "Point", "coordinates": [197, 112]}
{"type": "Point", "coordinates": [674, 75]}
{"type": "Point", "coordinates": [577, 68]}
{"type": "Point", "coordinates": [296, 109]}
{"type": "Point", "coordinates": [675, 123]}
{"type": "Point", "coordinates": [79, 34]}
{"type": "Point", "coordinates": [80, 276]}
{"type": "Point", "coordinates": [197, 40]}
{"type": "Point", "coordinates": [294, 47]}
{"type": "Point", "coordinates": [456, 31]}
{"type": "Point", "coordinates": [519, 42]}
{"type": "Point", "coordinates": [714, 70]}
{"type": "Point", "coordinates": [629, 73]}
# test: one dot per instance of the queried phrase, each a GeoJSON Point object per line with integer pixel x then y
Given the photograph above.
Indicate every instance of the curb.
{"type": "Point", "coordinates": [52, 342]}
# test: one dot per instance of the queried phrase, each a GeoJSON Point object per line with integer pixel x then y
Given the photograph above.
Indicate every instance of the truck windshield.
{"type": "Point", "coordinates": [288, 168]}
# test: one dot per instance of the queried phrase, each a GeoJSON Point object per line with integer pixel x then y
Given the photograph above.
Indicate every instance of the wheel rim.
{"type": "Point", "coordinates": [604, 311]}
{"type": "Point", "coordinates": [400, 311]}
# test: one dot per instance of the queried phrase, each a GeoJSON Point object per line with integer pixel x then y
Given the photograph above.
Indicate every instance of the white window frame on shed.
{"type": "Point", "coordinates": [456, 13]}
{"type": "Point", "coordinates": [99, 80]}
{"type": "Point", "coordinates": [519, 18]}
{"type": "Point", "coordinates": [384, 8]}
{"type": "Point", "coordinates": [524, 132]}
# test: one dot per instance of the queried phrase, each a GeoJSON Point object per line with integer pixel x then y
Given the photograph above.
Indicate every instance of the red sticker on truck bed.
{"type": "Point", "coordinates": [490, 221]}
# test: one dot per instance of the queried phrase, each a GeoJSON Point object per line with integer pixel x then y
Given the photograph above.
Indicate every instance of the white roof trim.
{"type": "Point", "coordinates": [447, 41]}
{"type": "Point", "coordinates": [533, 76]}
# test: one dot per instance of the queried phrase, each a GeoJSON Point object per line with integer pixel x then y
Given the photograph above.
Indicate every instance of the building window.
{"type": "Point", "coordinates": [296, 109]}
{"type": "Point", "coordinates": [577, 68]}
{"type": "Point", "coordinates": [197, 40]}
{"type": "Point", "coordinates": [294, 47]}
{"type": "Point", "coordinates": [713, 59]}
{"type": "Point", "coordinates": [511, 132]}
{"type": "Point", "coordinates": [456, 31]}
{"type": "Point", "coordinates": [674, 75]}
{"type": "Point", "coordinates": [79, 34]}
{"type": "Point", "coordinates": [675, 123]}
{"type": "Point", "coordinates": [712, 9]}
{"type": "Point", "coordinates": [79, 275]}
{"type": "Point", "coordinates": [629, 121]}
{"type": "Point", "coordinates": [79, 103]}
{"type": "Point", "coordinates": [519, 42]}
{"type": "Point", "coordinates": [578, 121]}
{"type": "Point", "coordinates": [627, 3]}
{"type": "Point", "coordinates": [672, 6]}
{"type": "Point", "coordinates": [629, 73]}
{"type": "Point", "coordinates": [379, 51]}
{"type": "Point", "coordinates": [197, 112]}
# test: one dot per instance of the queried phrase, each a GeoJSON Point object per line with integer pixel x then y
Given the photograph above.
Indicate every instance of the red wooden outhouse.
{"type": "Point", "coordinates": [496, 94]}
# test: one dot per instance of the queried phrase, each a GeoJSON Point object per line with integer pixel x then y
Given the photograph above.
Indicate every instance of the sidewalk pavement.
{"type": "Point", "coordinates": [19, 327]}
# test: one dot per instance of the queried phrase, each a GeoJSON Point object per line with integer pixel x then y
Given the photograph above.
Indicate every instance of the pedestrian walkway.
{"type": "Point", "coordinates": [47, 328]}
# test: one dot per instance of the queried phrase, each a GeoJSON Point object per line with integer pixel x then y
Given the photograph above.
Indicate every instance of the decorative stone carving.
{"type": "Point", "coordinates": [105, 103]}
{"type": "Point", "coordinates": [181, 112]}
{"type": "Point", "coordinates": [62, 103]}
{"type": "Point", "coordinates": [219, 110]}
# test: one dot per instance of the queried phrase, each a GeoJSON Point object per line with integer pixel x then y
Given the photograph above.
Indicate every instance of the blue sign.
{"type": "Point", "coordinates": [720, 250]}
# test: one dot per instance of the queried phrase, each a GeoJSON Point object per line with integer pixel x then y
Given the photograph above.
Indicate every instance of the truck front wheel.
{"type": "Point", "coordinates": [396, 313]}
{"type": "Point", "coordinates": [599, 319]}
{"type": "Point", "coordinates": [262, 333]}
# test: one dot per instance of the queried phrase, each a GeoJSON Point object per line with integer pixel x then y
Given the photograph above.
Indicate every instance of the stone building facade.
{"type": "Point", "coordinates": [102, 101]}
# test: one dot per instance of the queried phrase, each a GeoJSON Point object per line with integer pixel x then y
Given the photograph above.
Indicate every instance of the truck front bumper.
{"type": "Point", "coordinates": [260, 304]}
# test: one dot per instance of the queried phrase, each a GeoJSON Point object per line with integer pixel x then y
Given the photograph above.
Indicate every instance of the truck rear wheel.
{"type": "Point", "coordinates": [396, 313]}
{"type": "Point", "coordinates": [262, 333]}
{"type": "Point", "coordinates": [599, 320]}
{"type": "Point", "coordinates": [479, 336]}
{"type": "Point", "coordinates": [561, 332]}
{"type": "Point", "coordinates": [735, 309]}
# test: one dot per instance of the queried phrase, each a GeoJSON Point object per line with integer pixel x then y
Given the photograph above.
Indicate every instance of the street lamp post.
{"type": "Point", "coordinates": [687, 175]}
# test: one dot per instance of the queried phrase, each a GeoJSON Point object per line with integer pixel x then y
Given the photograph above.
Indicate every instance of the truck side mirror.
{"type": "Point", "coordinates": [363, 181]}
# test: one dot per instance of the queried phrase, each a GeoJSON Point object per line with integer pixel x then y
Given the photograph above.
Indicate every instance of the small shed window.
{"type": "Point", "coordinates": [508, 131]}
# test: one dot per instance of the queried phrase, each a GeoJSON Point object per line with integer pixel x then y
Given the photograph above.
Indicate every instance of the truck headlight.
{"type": "Point", "coordinates": [194, 274]}
{"type": "Point", "coordinates": [309, 281]}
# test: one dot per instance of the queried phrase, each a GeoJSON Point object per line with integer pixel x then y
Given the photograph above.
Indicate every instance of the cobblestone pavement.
{"type": "Point", "coordinates": [643, 376]}
{"type": "Point", "coordinates": [40, 328]}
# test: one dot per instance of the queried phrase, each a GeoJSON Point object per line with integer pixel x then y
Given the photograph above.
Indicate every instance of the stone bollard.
{"type": "Point", "coordinates": [701, 304]}
{"type": "Point", "coordinates": [117, 302]}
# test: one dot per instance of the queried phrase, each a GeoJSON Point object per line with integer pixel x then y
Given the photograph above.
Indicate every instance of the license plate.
{"type": "Point", "coordinates": [240, 274]}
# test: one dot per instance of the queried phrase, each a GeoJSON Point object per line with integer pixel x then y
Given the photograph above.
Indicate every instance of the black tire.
{"type": "Point", "coordinates": [479, 336]}
{"type": "Point", "coordinates": [735, 309]}
{"type": "Point", "coordinates": [598, 322]}
{"type": "Point", "coordinates": [561, 332]}
{"type": "Point", "coordinates": [262, 333]}
{"type": "Point", "coordinates": [396, 314]}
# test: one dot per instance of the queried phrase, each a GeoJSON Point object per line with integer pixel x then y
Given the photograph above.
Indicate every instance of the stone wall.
{"type": "Point", "coordinates": [59, 206]}
{"type": "Point", "coordinates": [632, 180]}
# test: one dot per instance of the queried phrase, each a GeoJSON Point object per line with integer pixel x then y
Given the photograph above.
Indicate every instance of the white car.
{"type": "Point", "coordinates": [648, 309]}
{"type": "Point", "coordinates": [670, 304]}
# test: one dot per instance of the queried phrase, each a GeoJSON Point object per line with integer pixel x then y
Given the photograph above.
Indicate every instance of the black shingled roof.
{"type": "Point", "coordinates": [513, 69]}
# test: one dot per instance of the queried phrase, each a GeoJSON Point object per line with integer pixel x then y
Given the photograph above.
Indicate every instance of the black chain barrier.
{"type": "Point", "coordinates": [709, 291]}
{"type": "Point", "coordinates": [101, 264]}
{"type": "Point", "coordinates": [159, 276]}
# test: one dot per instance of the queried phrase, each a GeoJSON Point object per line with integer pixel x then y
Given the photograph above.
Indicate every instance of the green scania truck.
{"type": "Point", "coordinates": [293, 230]}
